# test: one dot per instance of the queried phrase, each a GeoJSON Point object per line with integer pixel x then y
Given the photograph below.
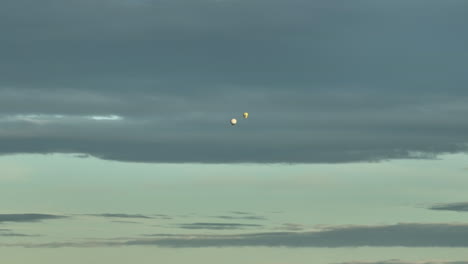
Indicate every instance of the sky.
{"type": "Point", "coordinates": [116, 146]}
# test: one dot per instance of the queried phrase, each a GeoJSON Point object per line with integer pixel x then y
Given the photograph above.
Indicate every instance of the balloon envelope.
{"type": "Point", "coordinates": [233, 121]}
{"type": "Point", "coordinates": [246, 115]}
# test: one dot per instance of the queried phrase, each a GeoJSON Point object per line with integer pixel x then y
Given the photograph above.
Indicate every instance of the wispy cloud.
{"type": "Point", "coordinates": [108, 118]}
{"type": "Point", "coordinates": [402, 235]}
{"type": "Point", "coordinates": [16, 235]}
{"type": "Point", "coordinates": [217, 226]}
{"type": "Point", "coordinates": [125, 222]}
{"type": "Point", "coordinates": [10, 233]}
{"type": "Point", "coordinates": [291, 227]}
{"type": "Point", "coordinates": [240, 213]}
{"type": "Point", "coordinates": [83, 156]}
{"type": "Point", "coordinates": [397, 261]}
{"type": "Point", "coordinates": [122, 216]}
{"type": "Point", "coordinates": [458, 207]}
{"type": "Point", "coordinates": [249, 217]}
{"type": "Point", "coordinates": [162, 216]}
{"type": "Point", "coordinates": [28, 217]}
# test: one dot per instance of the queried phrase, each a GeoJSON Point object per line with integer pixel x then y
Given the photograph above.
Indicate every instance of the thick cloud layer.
{"type": "Point", "coordinates": [158, 81]}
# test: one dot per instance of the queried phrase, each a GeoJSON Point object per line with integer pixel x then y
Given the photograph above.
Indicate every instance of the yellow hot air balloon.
{"type": "Point", "coordinates": [233, 121]}
{"type": "Point", "coordinates": [246, 115]}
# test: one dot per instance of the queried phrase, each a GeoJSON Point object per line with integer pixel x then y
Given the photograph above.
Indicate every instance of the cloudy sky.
{"type": "Point", "coordinates": [116, 147]}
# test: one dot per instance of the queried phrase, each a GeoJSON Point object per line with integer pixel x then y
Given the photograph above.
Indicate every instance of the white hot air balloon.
{"type": "Point", "coordinates": [233, 121]}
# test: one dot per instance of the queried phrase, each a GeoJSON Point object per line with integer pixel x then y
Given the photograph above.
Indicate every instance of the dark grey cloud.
{"type": "Point", "coordinates": [397, 261]}
{"type": "Point", "coordinates": [122, 216]}
{"type": "Point", "coordinates": [459, 207]}
{"type": "Point", "coordinates": [28, 217]}
{"type": "Point", "coordinates": [218, 226]}
{"type": "Point", "coordinates": [401, 235]}
{"type": "Point", "coordinates": [324, 81]}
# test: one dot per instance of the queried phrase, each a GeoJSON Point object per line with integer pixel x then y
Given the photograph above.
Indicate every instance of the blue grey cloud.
{"type": "Point", "coordinates": [28, 217]}
{"type": "Point", "coordinates": [125, 222]}
{"type": "Point", "coordinates": [397, 261]}
{"type": "Point", "coordinates": [405, 235]}
{"type": "Point", "coordinates": [458, 207]}
{"type": "Point", "coordinates": [16, 235]}
{"type": "Point", "coordinates": [122, 216]}
{"type": "Point", "coordinates": [243, 217]}
{"type": "Point", "coordinates": [158, 81]}
{"type": "Point", "coordinates": [398, 235]}
{"type": "Point", "coordinates": [291, 227]}
{"type": "Point", "coordinates": [9, 233]}
{"type": "Point", "coordinates": [218, 226]}
{"type": "Point", "coordinates": [240, 213]}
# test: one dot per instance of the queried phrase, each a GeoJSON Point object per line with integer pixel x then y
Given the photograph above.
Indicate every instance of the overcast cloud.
{"type": "Point", "coordinates": [158, 81]}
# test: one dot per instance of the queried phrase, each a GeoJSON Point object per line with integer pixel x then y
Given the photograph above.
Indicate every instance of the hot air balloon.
{"type": "Point", "coordinates": [246, 115]}
{"type": "Point", "coordinates": [233, 121]}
